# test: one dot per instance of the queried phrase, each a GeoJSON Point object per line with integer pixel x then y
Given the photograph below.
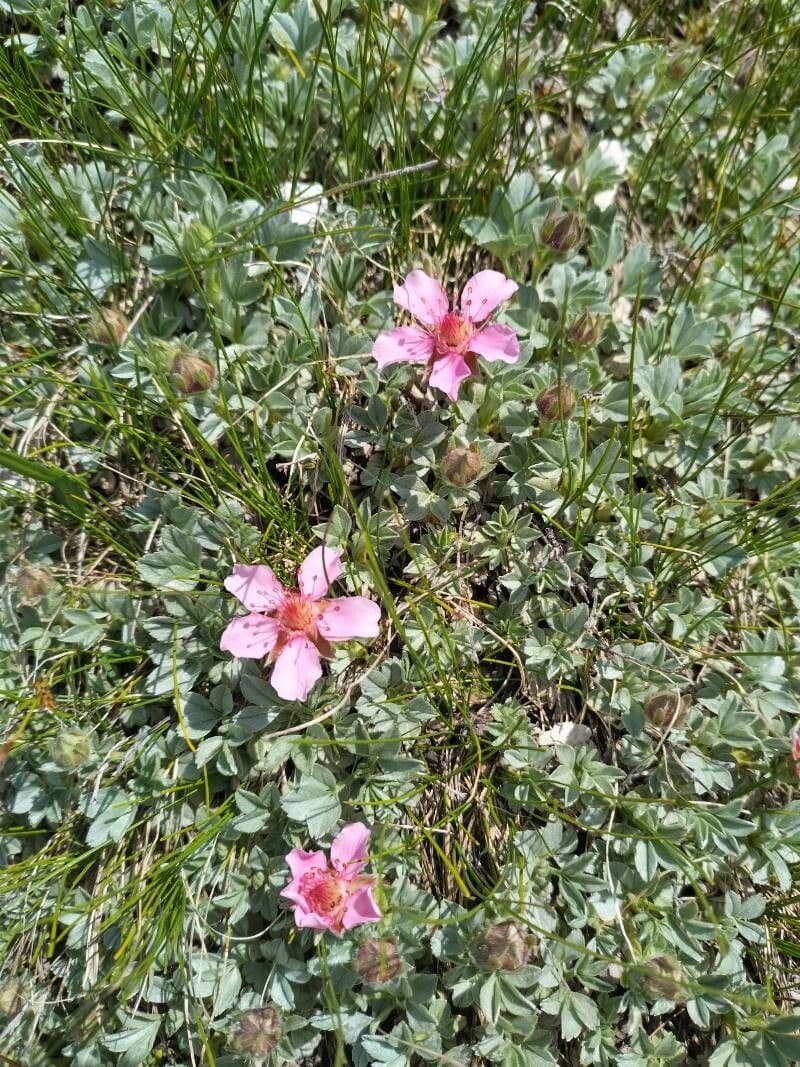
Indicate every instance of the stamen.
{"type": "Point", "coordinates": [323, 890]}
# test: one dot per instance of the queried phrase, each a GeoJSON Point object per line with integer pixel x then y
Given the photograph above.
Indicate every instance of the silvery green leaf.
{"type": "Point", "coordinates": [640, 274]}
{"type": "Point", "coordinates": [85, 630]}
{"type": "Point", "coordinates": [314, 801]}
{"type": "Point", "coordinates": [200, 717]}
{"type": "Point", "coordinates": [254, 812]}
{"type": "Point", "coordinates": [134, 1042]}
{"type": "Point", "coordinates": [168, 570]}
{"type": "Point", "coordinates": [111, 812]}
{"type": "Point", "coordinates": [384, 1050]}
{"type": "Point", "coordinates": [690, 339]}
{"type": "Point", "coordinates": [661, 387]}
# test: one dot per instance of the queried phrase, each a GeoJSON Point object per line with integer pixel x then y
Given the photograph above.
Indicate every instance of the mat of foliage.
{"type": "Point", "coordinates": [572, 738]}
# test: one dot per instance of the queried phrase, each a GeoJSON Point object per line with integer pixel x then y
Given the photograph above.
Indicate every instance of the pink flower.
{"type": "Point", "coordinates": [333, 895]}
{"type": "Point", "coordinates": [449, 341]}
{"type": "Point", "coordinates": [795, 735]}
{"type": "Point", "coordinates": [295, 629]}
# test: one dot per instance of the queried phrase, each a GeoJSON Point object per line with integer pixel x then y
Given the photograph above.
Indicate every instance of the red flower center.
{"type": "Point", "coordinates": [453, 332]}
{"type": "Point", "coordinates": [299, 615]}
{"type": "Point", "coordinates": [323, 890]}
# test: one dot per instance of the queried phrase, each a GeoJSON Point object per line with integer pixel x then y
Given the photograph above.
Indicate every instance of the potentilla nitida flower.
{"type": "Point", "coordinates": [294, 629]}
{"type": "Point", "coordinates": [449, 341]}
{"type": "Point", "coordinates": [333, 894]}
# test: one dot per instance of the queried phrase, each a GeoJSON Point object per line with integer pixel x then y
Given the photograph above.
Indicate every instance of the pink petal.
{"type": "Point", "coordinates": [349, 616]}
{"type": "Point", "coordinates": [250, 637]}
{"type": "Point", "coordinates": [294, 893]}
{"type": "Point", "coordinates": [361, 908]}
{"type": "Point", "coordinates": [449, 371]}
{"type": "Point", "coordinates": [423, 297]}
{"type": "Point", "coordinates": [318, 570]}
{"type": "Point", "coordinates": [310, 920]}
{"type": "Point", "coordinates": [403, 344]}
{"type": "Point", "coordinates": [484, 292]}
{"type": "Point", "coordinates": [496, 342]}
{"type": "Point", "coordinates": [301, 862]}
{"type": "Point", "coordinates": [349, 849]}
{"type": "Point", "coordinates": [256, 587]}
{"type": "Point", "coordinates": [297, 668]}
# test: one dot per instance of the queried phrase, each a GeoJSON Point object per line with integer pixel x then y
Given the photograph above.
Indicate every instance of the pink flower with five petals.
{"type": "Point", "coordinates": [333, 895]}
{"type": "Point", "coordinates": [295, 628]}
{"type": "Point", "coordinates": [449, 341]}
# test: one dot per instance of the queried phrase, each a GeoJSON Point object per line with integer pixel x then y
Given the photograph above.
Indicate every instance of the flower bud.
{"type": "Point", "coordinates": [71, 749]}
{"type": "Point", "coordinates": [505, 947]}
{"type": "Point", "coordinates": [461, 466]}
{"type": "Point", "coordinates": [557, 401]}
{"type": "Point", "coordinates": [377, 960]}
{"type": "Point", "coordinates": [666, 709]}
{"type": "Point", "coordinates": [108, 326]}
{"type": "Point", "coordinates": [198, 237]}
{"type": "Point", "coordinates": [677, 69]}
{"type": "Point", "coordinates": [749, 69]}
{"type": "Point", "coordinates": [256, 1032]}
{"type": "Point", "coordinates": [569, 144]}
{"type": "Point", "coordinates": [663, 978]}
{"type": "Point", "coordinates": [190, 374]}
{"type": "Point", "coordinates": [561, 231]}
{"type": "Point", "coordinates": [587, 329]}
{"type": "Point", "coordinates": [33, 582]}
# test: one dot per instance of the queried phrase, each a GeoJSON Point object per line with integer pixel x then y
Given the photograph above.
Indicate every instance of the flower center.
{"type": "Point", "coordinates": [298, 614]}
{"type": "Point", "coordinates": [453, 332]}
{"type": "Point", "coordinates": [324, 891]}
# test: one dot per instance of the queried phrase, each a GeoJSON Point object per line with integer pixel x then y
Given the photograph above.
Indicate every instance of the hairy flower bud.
{"type": "Point", "coordinates": [568, 145]}
{"type": "Point", "coordinates": [557, 401]}
{"type": "Point", "coordinates": [749, 69]}
{"type": "Point", "coordinates": [663, 978]}
{"type": "Point", "coordinates": [505, 947]}
{"type": "Point", "coordinates": [666, 709]}
{"type": "Point", "coordinates": [678, 68]}
{"type": "Point", "coordinates": [198, 238]}
{"type": "Point", "coordinates": [587, 329]}
{"type": "Point", "coordinates": [33, 582]}
{"type": "Point", "coordinates": [561, 231]}
{"type": "Point", "coordinates": [191, 374]}
{"type": "Point", "coordinates": [461, 466]}
{"type": "Point", "coordinates": [256, 1032]}
{"type": "Point", "coordinates": [377, 960]}
{"type": "Point", "coordinates": [71, 749]}
{"type": "Point", "coordinates": [108, 326]}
